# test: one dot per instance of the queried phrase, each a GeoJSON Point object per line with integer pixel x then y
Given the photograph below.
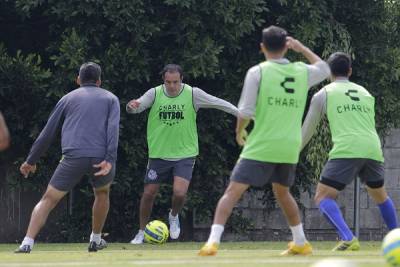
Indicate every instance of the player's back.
{"type": "Point", "coordinates": [276, 136]}
{"type": "Point", "coordinates": [86, 115]}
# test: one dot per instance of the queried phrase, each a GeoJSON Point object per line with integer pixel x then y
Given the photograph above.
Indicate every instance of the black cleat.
{"type": "Point", "coordinates": [94, 247]}
{"type": "Point", "coordinates": [23, 249]}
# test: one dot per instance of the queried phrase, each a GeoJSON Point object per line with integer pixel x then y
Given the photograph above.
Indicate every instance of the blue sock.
{"type": "Point", "coordinates": [388, 212]}
{"type": "Point", "coordinates": [331, 210]}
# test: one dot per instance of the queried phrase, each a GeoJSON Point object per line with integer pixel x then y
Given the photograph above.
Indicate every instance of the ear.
{"type": "Point", "coordinates": [350, 72]}
{"type": "Point", "coordinates": [98, 83]}
{"type": "Point", "coordinates": [262, 48]}
{"type": "Point", "coordinates": [78, 81]}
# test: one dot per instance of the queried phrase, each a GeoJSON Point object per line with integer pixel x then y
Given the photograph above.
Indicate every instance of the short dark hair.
{"type": "Point", "coordinates": [339, 63]}
{"type": "Point", "coordinates": [274, 38]}
{"type": "Point", "coordinates": [89, 72]}
{"type": "Point", "coordinates": [172, 68]}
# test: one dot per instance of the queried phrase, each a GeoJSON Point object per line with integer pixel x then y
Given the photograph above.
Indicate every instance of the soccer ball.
{"type": "Point", "coordinates": [156, 232]}
{"type": "Point", "coordinates": [333, 262]}
{"type": "Point", "coordinates": [391, 247]}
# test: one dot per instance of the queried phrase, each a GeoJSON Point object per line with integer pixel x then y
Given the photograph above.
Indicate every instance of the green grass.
{"type": "Point", "coordinates": [181, 254]}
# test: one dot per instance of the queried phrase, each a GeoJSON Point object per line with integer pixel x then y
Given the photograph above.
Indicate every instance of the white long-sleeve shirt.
{"type": "Point", "coordinates": [200, 100]}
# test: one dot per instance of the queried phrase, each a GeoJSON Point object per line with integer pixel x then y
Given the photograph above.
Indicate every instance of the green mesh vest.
{"type": "Point", "coordinates": [351, 115]}
{"type": "Point", "coordinates": [276, 136]}
{"type": "Point", "coordinates": [171, 126]}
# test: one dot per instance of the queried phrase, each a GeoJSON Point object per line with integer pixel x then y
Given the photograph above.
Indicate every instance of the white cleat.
{"type": "Point", "coordinates": [139, 238]}
{"type": "Point", "coordinates": [174, 227]}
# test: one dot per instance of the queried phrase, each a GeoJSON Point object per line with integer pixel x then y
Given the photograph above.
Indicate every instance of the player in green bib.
{"type": "Point", "coordinates": [172, 140]}
{"type": "Point", "coordinates": [274, 96]}
{"type": "Point", "coordinates": [356, 151]}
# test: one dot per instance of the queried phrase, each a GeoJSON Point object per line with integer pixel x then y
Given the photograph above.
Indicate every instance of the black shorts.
{"type": "Point", "coordinates": [258, 173]}
{"type": "Point", "coordinates": [70, 171]}
{"type": "Point", "coordinates": [160, 170]}
{"type": "Point", "coordinates": [338, 173]}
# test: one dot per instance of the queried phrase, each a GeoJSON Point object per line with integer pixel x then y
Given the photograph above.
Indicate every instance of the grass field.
{"type": "Point", "coordinates": [241, 254]}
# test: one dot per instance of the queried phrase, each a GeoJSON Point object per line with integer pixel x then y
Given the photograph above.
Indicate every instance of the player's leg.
{"type": "Point", "coordinates": [101, 205]}
{"type": "Point", "coordinates": [224, 209]}
{"type": "Point", "coordinates": [157, 171]}
{"type": "Point", "coordinates": [335, 176]}
{"type": "Point", "coordinates": [373, 175]}
{"type": "Point", "coordinates": [245, 173]}
{"type": "Point", "coordinates": [182, 172]}
{"type": "Point", "coordinates": [65, 177]}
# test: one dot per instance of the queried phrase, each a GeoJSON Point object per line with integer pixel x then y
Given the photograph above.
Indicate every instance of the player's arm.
{"type": "Point", "coordinates": [298, 47]}
{"type": "Point", "coordinates": [4, 134]}
{"type": "Point", "coordinates": [318, 70]}
{"type": "Point", "coordinates": [241, 133]}
{"type": "Point", "coordinates": [315, 112]}
{"type": "Point", "coordinates": [247, 103]}
{"type": "Point", "coordinates": [45, 138]}
{"type": "Point", "coordinates": [203, 100]}
{"type": "Point", "coordinates": [144, 102]}
{"type": "Point", "coordinates": [112, 139]}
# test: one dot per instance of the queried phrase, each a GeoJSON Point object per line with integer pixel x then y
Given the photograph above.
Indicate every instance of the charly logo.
{"type": "Point", "coordinates": [171, 114]}
{"type": "Point", "coordinates": [152, 174]}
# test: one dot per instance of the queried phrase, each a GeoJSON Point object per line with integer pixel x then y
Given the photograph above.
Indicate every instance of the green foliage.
{"type": "Point", "coordinates": [214, 41]}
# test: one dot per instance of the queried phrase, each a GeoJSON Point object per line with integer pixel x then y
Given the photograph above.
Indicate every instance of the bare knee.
{"type": "Point", "coordinates": [179, 193]}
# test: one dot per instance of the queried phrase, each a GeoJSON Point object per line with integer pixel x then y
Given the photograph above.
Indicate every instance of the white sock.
{"type": "Point", "coordinates": [172, 216]}
{"type": "Point", "coordinates": [95, 237]}
{"type": "Point", "coordinates": [298, 234]}
{"type": "Point", "coordinates": [216, 233]}
{"type": "Point", "coordinates": [141, 232]}
{"type": "Point", "coordinates": [28, 241]}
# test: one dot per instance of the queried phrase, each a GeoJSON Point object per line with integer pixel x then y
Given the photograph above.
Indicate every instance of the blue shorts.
{"type": "Point", "coordinates": [160, 170]}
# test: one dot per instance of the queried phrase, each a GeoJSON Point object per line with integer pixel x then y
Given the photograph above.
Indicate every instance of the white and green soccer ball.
{"type": "Point", "coordinates": [391, 247]}
{"type": "Point", "coordinates": [156, 232]}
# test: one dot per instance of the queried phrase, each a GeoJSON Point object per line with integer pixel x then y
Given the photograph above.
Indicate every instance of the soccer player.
{"type": "Point", "coordinates": [4, 134]}
{"type": "Point", "coordinates": [90, 118]}
{"type": "Point", "coordinates": [356, 147]}
{"type": "Point", "coordinates": [274, 94]}
{"type": "Point", "coordinates": [172, 140]}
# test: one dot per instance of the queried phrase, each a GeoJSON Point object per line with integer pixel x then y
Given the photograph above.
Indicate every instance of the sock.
{"type": "Point", "coordinates": [95, 237]}
{"type": "Point", "coordinates": [388, 213]}
{"type": "Point", "coordinates": [216, 233]}
{"type": "Point", "coordinates": [332, 212]}
{"type": "Point", "coordinates": [28, 241]}
{"type": "Point", "coordinates": [141, 232]}
{"type": "Point", "coordinates": [298, 234]}
{"type": "Point", "coordinates": [172, 216]}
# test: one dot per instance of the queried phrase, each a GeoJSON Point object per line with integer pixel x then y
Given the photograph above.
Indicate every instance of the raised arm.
{"type": "Point", "coordinates": [204, 100]}
{"type": "Point", "coordinates": [315, 112]}
{"type": "Point", "coordinates": [144, 102]}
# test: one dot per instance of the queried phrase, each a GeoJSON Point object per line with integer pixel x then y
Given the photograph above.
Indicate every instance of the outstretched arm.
{"type": "Point", "coordinates": [315, 112]}
{"type": "Point", "coordinates": [144, 102]}
{"type": "Point", "coordinates": [203, 100]}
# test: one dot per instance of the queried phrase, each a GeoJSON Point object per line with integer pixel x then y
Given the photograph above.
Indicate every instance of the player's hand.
{"type": "Point", "coordinates": [134, 104]}
{"type": "Point", "coordinates": [26, 168]}
{"type": "Point", "coordinates": [105, 168]}
{"type": "Point", "coordinates": [294, 44]}
{"type": "Point", "coordinates": [241, 137]}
